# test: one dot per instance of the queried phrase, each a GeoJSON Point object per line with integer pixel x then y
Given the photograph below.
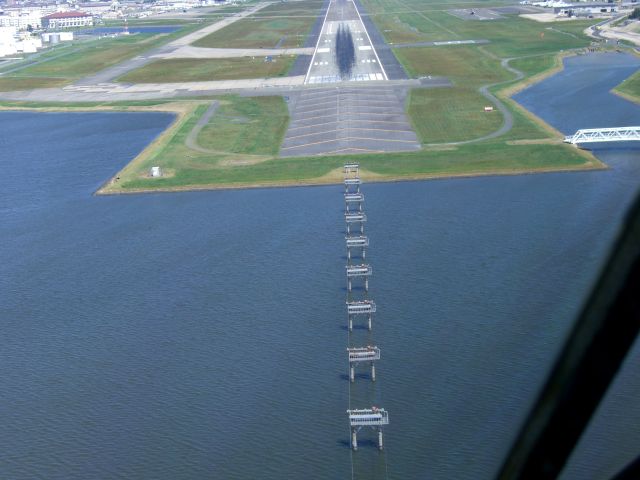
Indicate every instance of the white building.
{"type": "Point", "coordinates": [7, 41]}
{"type": "Point", "coordinates": [586, 8]}
{"type": "Point", "coordinates": [67, 20]}
{"type": "Point", "coordinates": [61, 36]}
{"type": "Point", "coordinates": [29, 45]}
{"type": "Point", "coordinates": [21, 19]}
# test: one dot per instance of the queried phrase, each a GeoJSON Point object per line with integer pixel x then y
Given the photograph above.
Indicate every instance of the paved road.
{"type": "Point", "coordinates": [214, 27]}
{"type": "Point", "coordinates": [324, 68]}
{"type": "Point", "coordinates": [190, 51]}
{"type": "Point", "coordinates": [192, 139]}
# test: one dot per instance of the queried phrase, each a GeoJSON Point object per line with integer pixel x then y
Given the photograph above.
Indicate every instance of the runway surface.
{"type": "Point", "coordinates": [348, 119]}
{"type": "Point", "coordinates": [324, 67]}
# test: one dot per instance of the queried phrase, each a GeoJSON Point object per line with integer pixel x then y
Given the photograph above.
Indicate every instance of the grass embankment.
{"type": "Point", "coordinates": [244, 132]}
{"type": "Point", "coordinates": [70, 62]}
{"type": "Point", "coordinates": [208, 69]}
{"type": "Point", "coordinates": [630, 88]}
{"type": "Point", "coordinates": [532, 66]}
{"type": "Point", "coordinates": [192, 170]}
{"type": "Point", "coordinates": [282, 25]}
{"type": "Point", "coordinates": [237, 149]}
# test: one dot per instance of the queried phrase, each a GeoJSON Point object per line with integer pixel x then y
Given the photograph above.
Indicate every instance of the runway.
{"type": "Point", "coordinates": [324, 68]}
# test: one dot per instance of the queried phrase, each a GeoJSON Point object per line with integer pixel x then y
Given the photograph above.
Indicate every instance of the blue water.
{"type": "Point", "coordinates": [578, 98]}
{"type": "Point", "coordinates": [202, 335]}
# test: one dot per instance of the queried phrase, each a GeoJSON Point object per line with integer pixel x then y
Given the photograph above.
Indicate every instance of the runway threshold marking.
{"type": "Point", "coordinates": [384, 73]}
{"type": "Point", "coordinates": [306, 78]}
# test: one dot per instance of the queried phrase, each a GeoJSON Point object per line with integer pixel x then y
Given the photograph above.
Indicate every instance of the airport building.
{"type": "Point", "coordinates": [21, 19]}
{"type": "Point", "coordinates": [585, 9]}
{"type": "Point", "coordinates": [67, 20]}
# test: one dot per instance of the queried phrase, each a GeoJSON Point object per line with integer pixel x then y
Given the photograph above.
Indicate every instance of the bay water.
{"type": "Point", "coordinates": [202, 334]}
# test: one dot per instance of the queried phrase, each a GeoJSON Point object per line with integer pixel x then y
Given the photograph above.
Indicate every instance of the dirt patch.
{"type": "Point", "coordinates": [545, 17]}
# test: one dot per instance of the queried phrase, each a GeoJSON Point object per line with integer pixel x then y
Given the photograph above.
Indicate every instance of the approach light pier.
{"type": "Point", "coordinates": [359, 271]}
{"type": "Point", "coordinates": [350, 183]}
{"type": "Point", "coordinates": [355, 217]}
{"type": "Point", "coordinates": [373, 417]}
{"type": "Point", "coordinates": [351, 198]}
{"type": "Point", "coordinates": [364, 307]}
{"type": "Point", "coordinates": [361, 241]}
{"type": "Point", "coordinates": [358, 355]}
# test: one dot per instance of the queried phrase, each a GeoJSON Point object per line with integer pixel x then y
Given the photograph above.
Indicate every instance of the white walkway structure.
{"type": "Point", "coordinates": [369, 417]}
{"type": "Point", "coordinates": [358, 355]}
{"type": "Point", "coordinates": [591, 135]}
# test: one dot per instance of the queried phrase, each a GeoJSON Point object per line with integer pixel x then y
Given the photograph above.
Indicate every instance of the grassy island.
{"type": "Point", "coordinates": [233, 141]}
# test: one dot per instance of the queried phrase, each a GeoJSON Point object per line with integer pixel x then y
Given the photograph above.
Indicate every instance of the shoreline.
{"type": "Point", "coordinates": [597, 165]}
{"type": "Point", "coordinates": [184, 110]}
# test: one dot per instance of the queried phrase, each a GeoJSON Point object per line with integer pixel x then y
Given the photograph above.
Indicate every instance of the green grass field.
{"type": "Point", "coordinates": [12, 83]}
{"type": "Point", "coordinates": [308, 8]}
{"type": "Point", "coordinates": [208, 69]}
{"type": "Point", "coordinates": [247, 125]}
{"type": "Point", "coordinates": [243, 131]}
{"type": "Point", "coordinates": [630, 87]}
{"type": "Point", "coordinates": [456, 116]}
{"type": "Point", "coordinates": [531, 66]}
{"type": "Point", "coordinates": [256, 32]}
{"type": "Point", "coordinates": [242, 138]}
{"type": "Point", "coordinates": [403, 21]}
{"type": "Point", "coordinates": [193, 169]}
{"type": "Point", "coordinates": [452, 114]}
{"type": "Point", "coordinates": [282, 24]}
{"type": "Point", "coordinates": [465, 66]}
{"type": "Point", "coordinates": [98, 55]}
{"type": "Point", "coordinates": [62, 65]}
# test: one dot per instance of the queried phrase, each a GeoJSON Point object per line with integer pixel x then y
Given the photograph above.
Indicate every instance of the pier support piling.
{"type": "Point", "coordinates": [357, 355]}
{"type": "Point", "coordinates": [373, 417]}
